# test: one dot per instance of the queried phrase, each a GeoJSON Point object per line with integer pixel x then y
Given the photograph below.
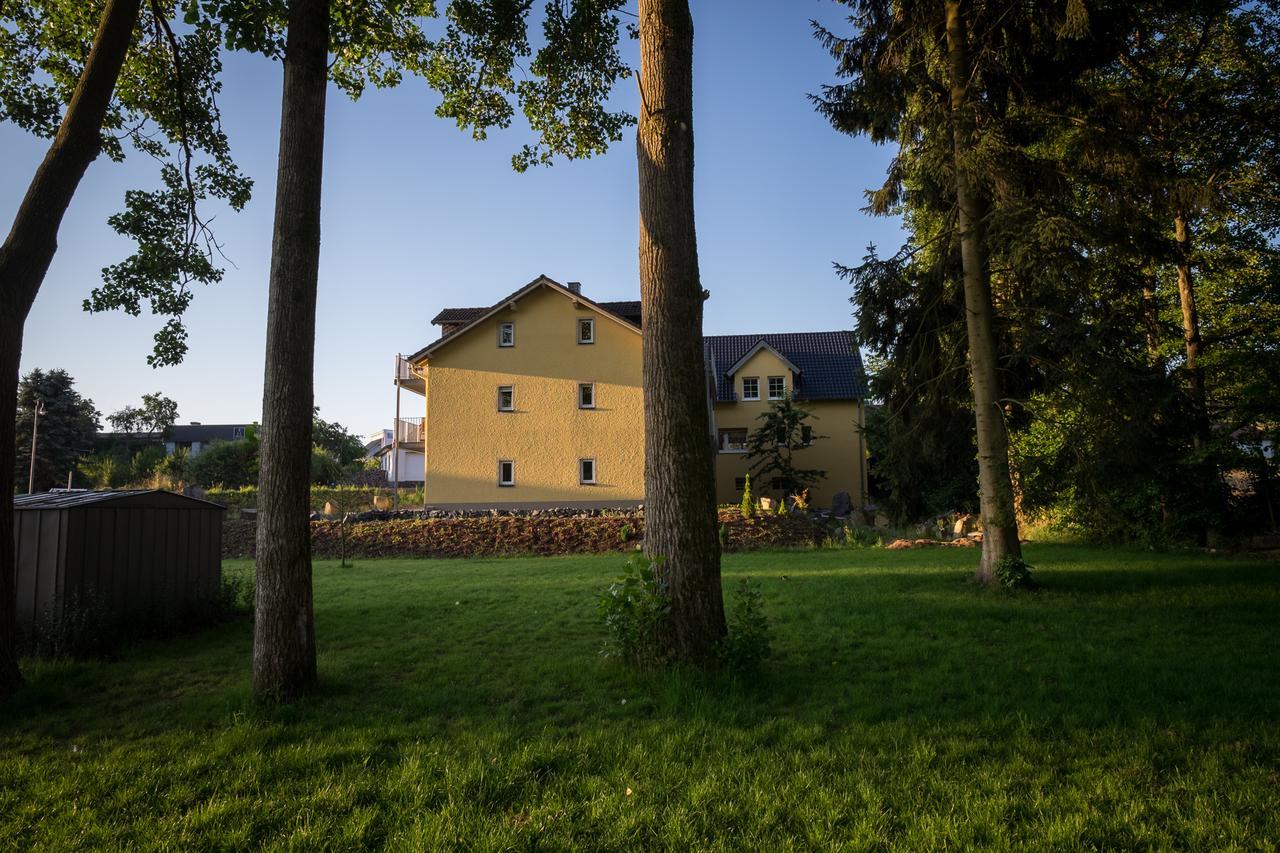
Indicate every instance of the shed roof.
{"type": "Point", "coordinates": [139, 498]}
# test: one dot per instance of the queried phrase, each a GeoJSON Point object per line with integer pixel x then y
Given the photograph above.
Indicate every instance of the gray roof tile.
{"type": "Point", "coordinates": [830, 365]}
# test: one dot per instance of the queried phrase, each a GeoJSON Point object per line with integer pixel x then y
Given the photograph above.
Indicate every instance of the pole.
{"type": "Point", "coordinates": [35, 431]}
{"type": "Point", "coordinates": [395, 442]}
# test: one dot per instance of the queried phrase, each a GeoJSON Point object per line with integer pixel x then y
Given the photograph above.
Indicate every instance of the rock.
{"type": "Point", "coordinates": [329, 509]}
{"type": "Point", "coordinates": [882, 521]}
{"type": "Point", "coordinates": [766, 504]}
{"type": "Point", "coordinates": [841, 505]}
{"type": "Point", "coordinates": [380, 502]}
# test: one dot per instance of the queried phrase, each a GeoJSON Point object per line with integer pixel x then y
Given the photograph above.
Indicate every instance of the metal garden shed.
{"type": "Point", "coordinates": [133, 554]}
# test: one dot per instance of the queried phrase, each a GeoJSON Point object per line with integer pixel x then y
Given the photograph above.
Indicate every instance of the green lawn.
{"type": "Point", "coordinates": [1133, 701]}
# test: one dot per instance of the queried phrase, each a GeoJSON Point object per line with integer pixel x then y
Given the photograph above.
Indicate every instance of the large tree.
{"type": "Point", "coordinates": [60, 62]}
{"type": "Point", "coordinates": [680, 504]}
{"type": "Point", "coordinates": [962, 88]}
{"type": "Point", "coordinates": [68, 426]}
{"type": "Point", "coordinates": [377, 42]}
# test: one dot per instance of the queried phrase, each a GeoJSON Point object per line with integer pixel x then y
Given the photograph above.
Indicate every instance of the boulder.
{"type": "Point", "coordinates": [841, 505]}
{"type": "Point", "coordinates": [766, 503]}
{"type": "Point", "coordinates": [882, 521]}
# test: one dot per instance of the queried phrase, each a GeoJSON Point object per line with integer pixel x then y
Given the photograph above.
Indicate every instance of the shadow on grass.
{"type": "Point", "coordinates": [860, 638]}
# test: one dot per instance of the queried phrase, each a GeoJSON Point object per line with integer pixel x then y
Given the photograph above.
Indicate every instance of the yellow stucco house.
{"type": "Point", "coordinates": [536, 402]}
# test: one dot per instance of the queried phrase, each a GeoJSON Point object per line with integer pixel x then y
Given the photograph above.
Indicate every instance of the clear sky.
{"type": "Point", "coordinates": [418, 217]}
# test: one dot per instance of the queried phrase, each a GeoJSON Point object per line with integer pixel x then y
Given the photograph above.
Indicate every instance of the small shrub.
{"type": "Point", "coordinates": [724, 537]}
{"type": "Point", "coordinates": [749, 641]}
{"type": "Point", "coordinates": [633, 610]}
{"type": "Point", "coordinates": [863, 537]}
{"type": "Point", "coordinates": [625, 533]}
{"type": "Point", "coordinates": [1013, 573]}
{"type": "Point", "coordinates": [84, 630]}
{"type": "Point", "coordinates": [748, 503]}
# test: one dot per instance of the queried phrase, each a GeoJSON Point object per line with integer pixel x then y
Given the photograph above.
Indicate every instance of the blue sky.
{"type": "Point", "coordinates": [417, 217]}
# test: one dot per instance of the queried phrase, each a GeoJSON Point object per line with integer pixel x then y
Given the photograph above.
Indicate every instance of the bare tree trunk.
{"type": "Point", "coordinates": [1191, 332]}
{"type": "Point", "coordinates": [1151, 319]}
{"type": "Point", "coordinates": [999, 520]}
{"type": "Point", "coordinates": [679, 476]}
{"type": "Point", "coordinates": [284, 645]}
{"type": "Point", "coordinates": [25, 258]}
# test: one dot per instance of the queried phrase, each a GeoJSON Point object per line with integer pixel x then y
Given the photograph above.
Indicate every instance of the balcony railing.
{"type": "Point", "coordinates": [410, 431]}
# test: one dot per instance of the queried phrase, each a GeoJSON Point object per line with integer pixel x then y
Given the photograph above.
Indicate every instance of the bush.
{"type": "Point", "coordinates": [230, 464]}
{"type": "Point", "coordinates": [749, 641]}
{"type": "Point", "coordinates": [633, 610]}
{"type": "Point", "coordinates": [1013, 573]}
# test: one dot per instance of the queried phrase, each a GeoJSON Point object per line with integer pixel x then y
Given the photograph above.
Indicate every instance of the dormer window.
{"type": "Point", "coordinates": [751, 387]}
{"type": "Point", "coordinates": [506, 334]}
{"type": "Point", "coordinates": [777, 387]}
{"type": "Point", "coordinates": [586, 331]}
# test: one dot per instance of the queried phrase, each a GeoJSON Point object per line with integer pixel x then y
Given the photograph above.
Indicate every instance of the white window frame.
{"type": "Point", "coordinates": [510, 483]}
{"type": "Point", "coordinates": [592, 386]}
{"type": "Point", "coordinates": [510, 389]}
{"type": "Point", "coordinates": [502, 326]}
{"type": "Point", "coordinates": [591, 325]}
{"type": "Point", "coordinates": [781, 379]}
{"type": "Point", "coordinates": [725, 449]}
{"type": "Point", "coordinates": [583, 481]}
{"type": "Point", "coordinates": [745, 380]}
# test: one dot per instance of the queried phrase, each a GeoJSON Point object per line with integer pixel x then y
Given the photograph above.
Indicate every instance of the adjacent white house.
{"type": "Point", "coordinates": [409, 466]}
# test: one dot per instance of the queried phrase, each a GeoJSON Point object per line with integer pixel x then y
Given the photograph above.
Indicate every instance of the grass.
{"type": "Point", "coordinates": [1132, 702]}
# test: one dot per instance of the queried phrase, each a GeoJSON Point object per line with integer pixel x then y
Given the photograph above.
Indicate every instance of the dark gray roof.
{"type": "Point", "coordinates": [830, 365]}
{"type": "Point", "coordinates": [457, 315]}
{"type": "Point", "coordinates": [629, 311]}
{"type": "Point", "coordinates": [204, 432]}
{"type": "Point", "coordinates": [125, 497]}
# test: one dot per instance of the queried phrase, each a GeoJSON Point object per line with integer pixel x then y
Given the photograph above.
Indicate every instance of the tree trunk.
{"type": "Point", "coordinates": [1151, 319]}
{"type": "Point", "coordinates": [1191, 331]}
{"type": "Point", "coordinates": [25, 258]}
{"type": "Point", "coordinates": [1000, 524]}
{"type": "Point", "coordinates": [679, 474]}
{"type": "Point", "coordinates": [284, 646]}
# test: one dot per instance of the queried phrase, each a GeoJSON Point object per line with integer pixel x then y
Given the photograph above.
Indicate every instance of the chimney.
{"type": "Point", "coordinates": [575, 287]}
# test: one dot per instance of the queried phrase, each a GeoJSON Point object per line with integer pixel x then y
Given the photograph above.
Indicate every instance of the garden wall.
{"type": "Point", "coordinates": [488, 536]}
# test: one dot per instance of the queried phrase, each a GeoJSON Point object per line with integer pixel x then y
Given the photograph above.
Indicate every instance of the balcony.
{"type": "Point", "coordinates": [411, 433]}
{"type": "Point", "coordinates": [408, 377]}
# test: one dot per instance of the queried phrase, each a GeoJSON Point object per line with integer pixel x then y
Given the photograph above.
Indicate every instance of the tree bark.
{"type": "Point", "coordinates": [679, 474]}
{"type": "Point", "coordinates": [999, 520]}
{"type": "Point", "coordinates": [284, 652]}
{"type": "Point", "coordinates": [25, 258]}
{"type": "Point", "coordinates": [1191, 332]}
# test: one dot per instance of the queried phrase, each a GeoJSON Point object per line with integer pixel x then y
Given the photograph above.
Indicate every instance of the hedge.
{"type": "Point", "coordinates": [512, 535]}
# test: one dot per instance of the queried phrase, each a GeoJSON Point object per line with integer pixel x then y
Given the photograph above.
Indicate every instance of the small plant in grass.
{"type": "Point", "coordinates": [633, 609]}
{"type": "Point", "coordinates": [626, 533]}
{"type": "Point", "coordinates": [749, 641]}
{"type": "Point", "coordinates": [748, 502]}
{"type": "Point", "coordinates": [1013, 573]}
{"type": "Point", "coordinates": [863, 537]}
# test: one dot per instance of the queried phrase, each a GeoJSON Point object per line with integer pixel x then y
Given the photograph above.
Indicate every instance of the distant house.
{"type": "Point", "coordinates": [537, 401]}
{"type": "Point", "coordinates": [411, 461]}
{"type": "Point", "coordinates": [195, 436]}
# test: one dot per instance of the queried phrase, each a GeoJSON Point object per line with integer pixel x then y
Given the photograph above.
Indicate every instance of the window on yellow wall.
{"type": "Point", "coordinates": [751, 387]}
{"type": "Point", "coordinates": [506, 334]}
{"type": "Point", "coordinates": [777, 387]}
{"type": "Point", "coordinates": [733, 440]}
{"type": "Point", "coordinates": [506, 472]}
{"type": "Point", "coordinates": [587, 472]}
{"type": "Point", "coordinates": [586, 395]}
{"type": "Point", "coordinates": [506, 398]}
{"type": "Point", "coordinates": [586, 331]}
